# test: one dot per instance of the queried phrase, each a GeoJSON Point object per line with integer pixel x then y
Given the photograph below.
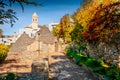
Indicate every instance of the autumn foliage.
{"type": "Point", "coordinates": [3, 52]}
{"type": "Point", "coordinates": [105, 21]}
{"type": "Point", "coordinates": [96, 19]}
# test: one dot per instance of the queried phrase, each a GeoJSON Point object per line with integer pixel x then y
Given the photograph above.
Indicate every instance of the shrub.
{"type": "Point", "coordinates": [91, 62]}
{"type": "Point", "coordinates": [109, 72]}
{"type": "Point", "coordinates": [75, 51]}
{"type": "Point", "coordinates": [77, 56]}
{"type": "Point", "coordinates": [3, 52]}
{"type": "Point", "coordinates": [113, 73]}
{"type": "Point", "coordinates": [10, 76]}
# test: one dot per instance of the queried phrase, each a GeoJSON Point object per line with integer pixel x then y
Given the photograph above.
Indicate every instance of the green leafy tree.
{"type": "Point", "coordinates": [7, 15]}
{"type": "Point", "coordinates": [1, 32]}
{"type": "Point", "coordinates": [76, 34]}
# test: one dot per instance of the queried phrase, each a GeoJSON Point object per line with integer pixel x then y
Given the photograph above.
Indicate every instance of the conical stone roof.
{"type": "Point", "coordinates": [46, 36]}
{"type": "Point", "coordinates": [21, 43]}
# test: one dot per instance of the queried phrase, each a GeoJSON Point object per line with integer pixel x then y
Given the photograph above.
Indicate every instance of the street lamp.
{"type": "Point", "coordinates": [39, 41]}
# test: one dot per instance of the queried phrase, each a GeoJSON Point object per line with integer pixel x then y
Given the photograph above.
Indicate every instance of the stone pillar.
{"type": "Point", "coordinates": [40, 66]}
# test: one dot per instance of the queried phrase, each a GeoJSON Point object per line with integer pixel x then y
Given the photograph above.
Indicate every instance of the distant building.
{"type": "Point", "coordinates": [7, 40]}
{"type": "Point", "coordinates": [27, 38]}
{"type": "Point", "coordinates": [34, 37]}
{"type": "Point", "coordinates": [52, 25]}
{"type": "Point", "coordinates": [30, 30]}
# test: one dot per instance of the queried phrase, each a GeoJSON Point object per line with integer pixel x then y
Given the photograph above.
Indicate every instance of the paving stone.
{"type": "Point", "coordinates": [62, 68]}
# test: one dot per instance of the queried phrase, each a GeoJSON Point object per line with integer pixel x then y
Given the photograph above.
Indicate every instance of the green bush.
{"type": "Point", "coordinates": [97, 65]}
{"type": "Point", "coordinates": [3, 52]}
{"type": "Point", "coordinates": [113, 73]}
{"type": "Point", "coordinates": [70, 55]}
{"type": "Point", "coordinates": [91, 62]}
{"type": "Point", "coordinates": [75, 51]}
{"type": "Point", "coordinates": [10, 76]}
{"type": "Point", "coordinates": [80, 58]}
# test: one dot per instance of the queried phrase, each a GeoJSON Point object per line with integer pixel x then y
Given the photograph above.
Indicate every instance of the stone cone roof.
{"type": "Point", "coordinates": [21, 43]}
{"type": "Point", "coordinates": [46, 36]}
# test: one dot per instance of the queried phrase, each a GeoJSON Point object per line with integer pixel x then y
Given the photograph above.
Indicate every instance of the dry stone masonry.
{"type": "Point", "coordinates": [109, 50]}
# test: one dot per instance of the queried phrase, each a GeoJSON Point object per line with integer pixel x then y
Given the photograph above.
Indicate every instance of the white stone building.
{"type": "Point", "coordinates": [32, 28]}
{"type": "Point", "coordinates": [7, 40]}
{"type": "Point", "coordinates": [52, 25]}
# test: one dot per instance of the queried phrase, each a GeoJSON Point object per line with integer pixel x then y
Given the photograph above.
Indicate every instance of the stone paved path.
{"type": "Point", "coordinates": [61, 68]}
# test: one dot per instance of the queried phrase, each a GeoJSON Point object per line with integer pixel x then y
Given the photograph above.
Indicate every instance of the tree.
{"type": "Point", "coordinates": [87, 21]}
{"type": "Point", "coordinates": [87, 11]}
{"type": "Point", "coordinates": [1, 32]}
{"type": "Point", "coordinates": [76, 34]}
{"type": "Point", "coordinates": [56, 31]}
{"type": "Point", "coordinates": [66, 28]}
{"type": "Point", "coordinates": [104, 30]}
{"type": "Point", "coordinates": [7, 15]}
{"type": "Point", "coordinates": [105, 21]}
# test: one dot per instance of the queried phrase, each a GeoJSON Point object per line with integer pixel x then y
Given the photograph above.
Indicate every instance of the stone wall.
{"type": "Point", "coordinates": [33, 46]}
{"type": "Point", "coordinates": [52, 47]}
{"type": "Point", "coordinates": [109, 50]}
{"type": "Point", "coordinates": [44, 48]}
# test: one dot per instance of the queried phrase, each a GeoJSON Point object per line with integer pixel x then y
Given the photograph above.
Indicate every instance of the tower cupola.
{"type": "Point", "coordinates": [35, 18]}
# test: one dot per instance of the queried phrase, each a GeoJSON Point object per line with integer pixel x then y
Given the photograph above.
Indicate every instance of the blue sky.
{"type": "Point", "coordinates": [51, 11]}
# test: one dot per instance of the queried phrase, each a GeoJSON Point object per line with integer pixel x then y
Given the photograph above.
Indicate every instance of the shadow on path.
{"type": "Point", "coordinates": [61, 68]}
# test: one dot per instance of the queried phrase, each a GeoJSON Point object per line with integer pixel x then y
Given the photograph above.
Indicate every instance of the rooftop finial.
{"type": "Point", "coordinates": [35, 14]}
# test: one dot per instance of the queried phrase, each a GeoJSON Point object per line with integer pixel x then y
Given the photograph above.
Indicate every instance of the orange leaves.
{"type": "Point", "coordinates": [113, 31]}
{"type": "Point", "coordinates": [105, 21]}
{"type": "Point", "coordinates": [85, 34]}
{"type": "Point", "coordinates": [98, 18]}
{"type": "Point", "coordinates": [90, 36]}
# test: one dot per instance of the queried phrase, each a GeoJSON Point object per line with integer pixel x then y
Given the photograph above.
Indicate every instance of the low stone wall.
{"type": "Point", "coordinates": [40, 66]}
{"type": "Point", "coordinates": [109, 50]}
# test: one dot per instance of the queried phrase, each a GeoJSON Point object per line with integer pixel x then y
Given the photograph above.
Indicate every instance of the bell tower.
{"type": "Point", "coordinates": [35, 20]}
